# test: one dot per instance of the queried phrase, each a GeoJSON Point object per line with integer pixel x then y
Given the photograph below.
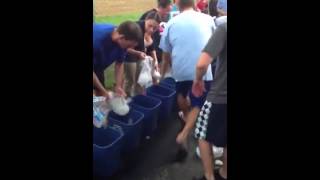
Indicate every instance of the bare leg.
{"type": "Point", "coordinates": [206, 158]}
{"type": "Point", "coordinates": [190, 121]}
{"type": "Point", "coordinates": [183, 104]}
{"type": "Point", "coordinates": [223, 169]}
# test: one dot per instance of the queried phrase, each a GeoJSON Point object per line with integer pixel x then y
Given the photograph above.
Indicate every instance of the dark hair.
{"type": "Point", "coordinates": [186, 3]}
{"type": "Point", "coordinates": [164, 3]}
{"type": "Point", "coordinates": [130, 30]}
{"type": "Point", "coordinates": [154, 16]}
{"type": "Point", "coordinates": [213, 7]}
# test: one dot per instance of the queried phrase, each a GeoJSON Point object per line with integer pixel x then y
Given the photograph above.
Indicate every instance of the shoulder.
{"type": "Point", "coordinates": [221, 20]}
{"type": "Point", "coordinates": [101, 32]}
{"type": "Point", "coordinates": [202, 15]}
{"type": "Point", "coordinates": [170, 22]}
{"type": "Point", "coordinates": [222, 28]}
{"type": "Point", "coordinates": [141, 23]}
{"type": "Point", "coordinates": [181, 17]}
{"type": "Point", "coordinates": [100, 28]}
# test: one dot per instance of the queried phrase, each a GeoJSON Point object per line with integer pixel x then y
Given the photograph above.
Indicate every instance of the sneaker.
{"type": "Point", "coordinates": [218, 162]}
{"type": "Point", "coordinates": [180, 156]}
{"type": "Point", "coordinates": [217, 152]}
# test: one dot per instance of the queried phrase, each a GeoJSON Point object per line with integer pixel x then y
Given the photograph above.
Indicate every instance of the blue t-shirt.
{"type": "Point", "coordinates": [222, 4]}
{"type": "Point", "coordinates": [105, 51]}
{"type": "Point", "coordinates": [184, 38]}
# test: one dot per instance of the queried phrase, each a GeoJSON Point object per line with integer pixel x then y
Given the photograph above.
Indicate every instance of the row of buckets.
{"type": "Point", "coordinates": [124, 133]}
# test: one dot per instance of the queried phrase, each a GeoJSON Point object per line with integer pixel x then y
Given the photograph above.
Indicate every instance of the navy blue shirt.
{"type": "Point", "coordinates": [105, 51]}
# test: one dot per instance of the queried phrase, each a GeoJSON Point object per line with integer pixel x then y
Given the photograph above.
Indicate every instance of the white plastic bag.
{"type": "Point", "coordinates": [119, 105]}
{"type": "Point", "coordinates": [145, 76]}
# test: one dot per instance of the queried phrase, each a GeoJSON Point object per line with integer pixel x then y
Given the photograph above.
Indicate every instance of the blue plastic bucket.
{"type": "Point", "coordinates": [168, 82]}
{"type": "Point", "coordinates": [131, 125]}
{"type": "Point", "coordinates": [107, 146]}
{"type": "Point", "coordinates": [167, 97]}
{"type": "Point", "coordinates": [149, 107]}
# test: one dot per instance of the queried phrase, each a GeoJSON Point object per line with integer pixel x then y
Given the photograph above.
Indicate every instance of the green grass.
{"type": "Point", "coordinates": [116, 20]}
{"type": "Point", "coordinates": [109, 77]}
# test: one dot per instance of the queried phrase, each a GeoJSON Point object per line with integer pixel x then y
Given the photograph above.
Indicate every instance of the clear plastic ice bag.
{"type": "Point", "coordinates": [100, 111]}
{"type": "Point", "coordinates": [145, 76]}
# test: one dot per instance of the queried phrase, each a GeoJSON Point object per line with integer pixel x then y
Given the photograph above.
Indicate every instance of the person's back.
{"type": "Point", "coordinates": [187, 35]}
{"type": "Point", "coordinates": [105, 51]}
{"type": "Point", "coordinates": [182, 42]}
{"type": "Point", "coordinates": [101, 32]}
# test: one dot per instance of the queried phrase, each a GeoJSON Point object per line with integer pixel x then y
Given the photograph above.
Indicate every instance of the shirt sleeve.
{"type": "Point", "coordinates": [217, 42]}
{"type": "Point", "coordinates": [122, 56]}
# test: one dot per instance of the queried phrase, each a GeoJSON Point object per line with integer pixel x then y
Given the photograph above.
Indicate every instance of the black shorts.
{"type": "Point", "coordinates": [211, 124]}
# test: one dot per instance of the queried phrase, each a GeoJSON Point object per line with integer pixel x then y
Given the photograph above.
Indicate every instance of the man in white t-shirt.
{"type": "Point", "coordinates": [182, 41]}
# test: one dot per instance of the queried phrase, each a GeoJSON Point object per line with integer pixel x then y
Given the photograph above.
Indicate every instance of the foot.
{"type": "Point", "coordinates": [181, 155]}
{"type": "Point", "coordinates": [182, 138]}
{"type": "Point", "coordinates": [217, 175]}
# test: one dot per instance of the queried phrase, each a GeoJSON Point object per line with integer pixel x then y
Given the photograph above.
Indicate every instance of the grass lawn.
{"type": "Point", "coordinates": [117, 19]}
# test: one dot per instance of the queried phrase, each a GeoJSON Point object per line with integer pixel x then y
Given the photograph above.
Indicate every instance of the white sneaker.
{"type": "Point", "coordinates": [217, 152]}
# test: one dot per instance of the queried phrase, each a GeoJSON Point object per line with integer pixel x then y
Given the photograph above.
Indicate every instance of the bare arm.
{"type": "Point", "coordinates": [202, 65]}
{"type": "Point", "coordinates": [154, 56]}
{"type": "Point", "coordinates": [133, 51]}
{"type": "Point", "coordinates": [166, 58]}
{"type": "Point", "coordinates": [97, 84]}
{"type": "Point", "coordinates": [140, 54]}
{"type": "Point", "coordinates": [119, 71]}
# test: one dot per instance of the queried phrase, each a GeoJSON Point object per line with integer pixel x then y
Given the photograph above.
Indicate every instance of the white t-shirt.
{"type": "Point", "coordinates": [184, 37]}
